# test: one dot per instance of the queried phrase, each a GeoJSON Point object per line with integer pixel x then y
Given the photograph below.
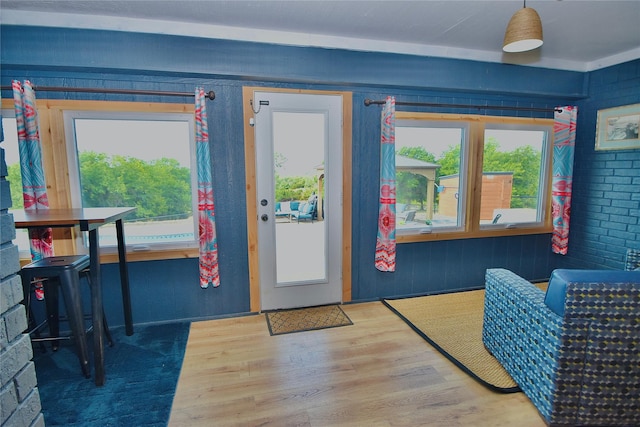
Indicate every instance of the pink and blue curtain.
{"type": "Point", "coordinates": [1, 127]}
{"type": "Point", "coordinates": [564, 130]}
{"type": "Point", "coordinates": [34, 188]}
{"type": "Point", "coordinates": [386, 239]}
{"type": "Point", "coordinates": [206, 209]}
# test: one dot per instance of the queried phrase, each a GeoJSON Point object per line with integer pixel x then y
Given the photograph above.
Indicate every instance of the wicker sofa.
{"type": "Point", "coordinates": [574, 350]}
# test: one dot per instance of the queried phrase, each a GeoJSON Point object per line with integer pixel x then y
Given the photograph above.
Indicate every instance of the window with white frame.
{"type": "Point", "coordinates": [428, 154]}
{"type": "Point", "coordinates": [143, 160]}
{"type": "Point", "coordinates": [111, 153]}
{"type": "Point", "coordinates": [514, 176]}
{"type": "Point", "coordinates": [460, 176]}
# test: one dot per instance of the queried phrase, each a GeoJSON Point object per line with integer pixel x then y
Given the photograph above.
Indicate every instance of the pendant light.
{"type": "Point", "coordinates": [524, 31]}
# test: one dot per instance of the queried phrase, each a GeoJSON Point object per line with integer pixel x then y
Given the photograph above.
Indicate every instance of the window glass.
{"type": "Point", "coordinates": [12, 159]}
{"type": "Point", "coordinates": [140, 160]}
{"type": "Point", "coordinates": [429, 190]}
{"type": "Point", "coordinates": [512, 178]}
{"type": "Point", "coordinates": [461, 176]}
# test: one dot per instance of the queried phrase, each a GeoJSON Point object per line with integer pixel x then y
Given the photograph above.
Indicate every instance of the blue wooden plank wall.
{"type": "Point", "coordinates": [168, 290]}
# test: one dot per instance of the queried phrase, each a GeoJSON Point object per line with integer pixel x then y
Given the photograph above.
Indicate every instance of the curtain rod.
{"type": "Point", "coordinates": [368, 102]}
{"type": "Point", "coordinates": [211, 95]}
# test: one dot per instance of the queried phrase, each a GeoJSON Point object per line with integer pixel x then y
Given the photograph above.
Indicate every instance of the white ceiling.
{"type": "Point", "coordinates": [578, 35]}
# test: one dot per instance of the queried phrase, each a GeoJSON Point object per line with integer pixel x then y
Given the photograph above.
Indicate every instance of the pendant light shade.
{"type": "Point", "coordinates": [524, 31]}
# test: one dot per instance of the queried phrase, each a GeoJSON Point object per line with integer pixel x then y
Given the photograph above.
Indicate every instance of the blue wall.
{"type": "Point", "coordinates": [605, 216]}
{"type": "Point", "coordinates": [166, 290]}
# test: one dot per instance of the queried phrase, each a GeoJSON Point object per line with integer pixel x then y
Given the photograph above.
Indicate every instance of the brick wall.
{"type": "Point", "coordinates": [19, 398]}
{"type": "Point", "coordinates": [605, 212]}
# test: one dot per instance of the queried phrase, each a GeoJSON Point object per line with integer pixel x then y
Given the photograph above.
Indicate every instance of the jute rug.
{"type": "Point", "coordinates": [306, 319]}
{"type": "Point", "coordinates": [452, 323]}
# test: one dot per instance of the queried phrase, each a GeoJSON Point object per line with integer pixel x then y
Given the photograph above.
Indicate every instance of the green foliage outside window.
{"type": "Point", "coordinates": [289, 188]}
{"type": "Point", "coordinates": [159, 189]}
{"type": "Point", "coordinates": [524, 162]}
{"type": "Point", "coordinates": [15, 186]}
{"type": "Point", "coordinates": [294, 187]}
{"type": "Point", "coordinates": [411, 187]}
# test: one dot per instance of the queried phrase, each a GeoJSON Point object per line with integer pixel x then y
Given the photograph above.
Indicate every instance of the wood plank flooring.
{"type": "Point", "coordinates": [377, 372]}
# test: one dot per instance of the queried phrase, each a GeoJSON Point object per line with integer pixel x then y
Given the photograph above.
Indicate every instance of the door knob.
{"type": "Point", "coordinates": [264, 217]}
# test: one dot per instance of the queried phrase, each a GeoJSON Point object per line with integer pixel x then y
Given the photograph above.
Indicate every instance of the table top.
{"type": "Point", "coordinates": [85, 217]}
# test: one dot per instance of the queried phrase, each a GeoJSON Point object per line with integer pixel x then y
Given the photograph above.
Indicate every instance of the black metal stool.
{"type": "Point", "coordinates": [61, 272]}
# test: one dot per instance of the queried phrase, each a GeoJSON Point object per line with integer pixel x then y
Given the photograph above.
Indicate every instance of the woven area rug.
{"type": "Point", "coordinates": [306, 319]}
{"type": "Point", "coordinates": [452, 323]}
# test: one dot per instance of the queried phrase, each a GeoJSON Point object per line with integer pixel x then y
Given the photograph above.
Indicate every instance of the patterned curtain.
{"type": "Point", "coordinates": [34, 188]}
{"type": "Point", "coordinates": [1, 127]}
{"type": "Point", "coordinates": [564, 130]}
{"type": "Point", "coordinates": [206, 210]}
{"type": "Point", "coordinates": [386, 240]}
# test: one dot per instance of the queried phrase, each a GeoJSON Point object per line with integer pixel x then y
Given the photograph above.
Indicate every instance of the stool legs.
{"type": "Point", "coordinates": [70, 284]}
{"type": "Point", "coordinates": [32, 324]}
{"type": "Point", "coordinates": [107, 332]}
{"type": "Point", "coordinates": [53, 310]}
{"type": "Point", "coordinates": [66, 271]}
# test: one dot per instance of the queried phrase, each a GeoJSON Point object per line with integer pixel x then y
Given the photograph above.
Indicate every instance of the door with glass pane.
{"type": "Point", "coordinates": [299, 184]}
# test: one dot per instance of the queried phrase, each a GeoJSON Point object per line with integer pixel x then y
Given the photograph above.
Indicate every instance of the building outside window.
{"type": "Point", "coordinates": [465, 176]}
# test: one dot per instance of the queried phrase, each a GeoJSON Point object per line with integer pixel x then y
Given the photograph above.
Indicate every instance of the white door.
{"type": "Point", "coordinates": [299, 161]}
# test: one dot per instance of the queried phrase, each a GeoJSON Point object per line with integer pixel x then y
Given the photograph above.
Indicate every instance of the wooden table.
{"type": "Point", "coordinates": [89, 220]}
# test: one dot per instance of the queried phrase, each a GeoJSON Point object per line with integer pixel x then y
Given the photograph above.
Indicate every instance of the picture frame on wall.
{"type": "Point", "coordinates": [617, 128]}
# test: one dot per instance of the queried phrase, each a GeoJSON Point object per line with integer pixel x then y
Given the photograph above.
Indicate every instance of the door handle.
{"type": "Point", "coordinates": [264, 217]}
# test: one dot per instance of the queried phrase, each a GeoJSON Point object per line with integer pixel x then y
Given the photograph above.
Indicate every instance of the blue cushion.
{"type": "Point", "coordinates": [557, 289]}
{"type": "Point", "coordinates": [308, 208]}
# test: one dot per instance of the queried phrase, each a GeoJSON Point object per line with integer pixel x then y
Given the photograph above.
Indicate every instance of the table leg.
{"type": "Point", "coordinates": [96, 307]}
{"type": "Point", "coordinates": [124, 278]}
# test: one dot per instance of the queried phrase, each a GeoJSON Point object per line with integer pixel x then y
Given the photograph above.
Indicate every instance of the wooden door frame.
{"type": "Point", "coordinates": [251, 196]}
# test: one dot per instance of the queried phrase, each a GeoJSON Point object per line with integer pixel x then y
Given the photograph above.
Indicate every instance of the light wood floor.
{"type": "Point", "coordinates": [377, 372]}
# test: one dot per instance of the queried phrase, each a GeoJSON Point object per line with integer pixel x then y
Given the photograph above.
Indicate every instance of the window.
{"type": "Point", "coordinates": [512, 176]}
{"type": "Point", "coordinates": [142, 160]}
{"type": "Point", "coordinates": [461, 176]}
{"type": "Point", "coordinates": [429, 161]}
{"type": "Point", "coordinates": [98, 153]}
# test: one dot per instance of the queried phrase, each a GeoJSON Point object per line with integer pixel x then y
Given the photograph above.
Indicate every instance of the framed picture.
{"type": "Point", "coordinates": [617, 128]}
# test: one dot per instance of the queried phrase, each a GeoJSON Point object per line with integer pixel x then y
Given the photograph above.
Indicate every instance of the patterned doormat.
{"type": "Point", "coordinates": [306, 319]}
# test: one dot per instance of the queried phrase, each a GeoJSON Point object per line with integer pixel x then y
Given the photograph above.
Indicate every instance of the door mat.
{"type": "Point", "coordinates": [306, 319]}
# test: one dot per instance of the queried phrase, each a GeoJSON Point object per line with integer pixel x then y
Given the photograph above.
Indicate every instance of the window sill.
{"type": "Point", "coordinates": [472, 235]}
{"type": "Point", "coordinates": [112, 258]}
{"type": "Point", "coordinates": [108, 258]}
